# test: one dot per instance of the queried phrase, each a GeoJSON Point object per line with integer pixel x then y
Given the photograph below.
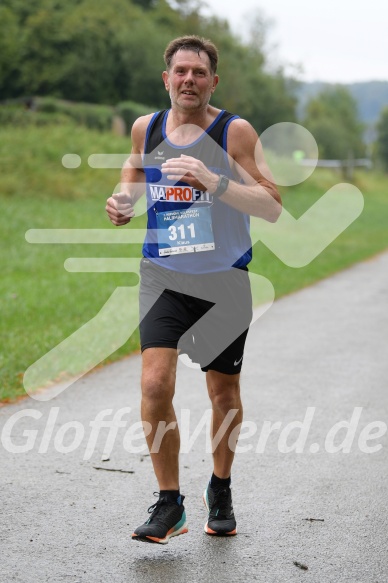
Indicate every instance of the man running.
{"type": "Point", "coordinates": [202, 182]}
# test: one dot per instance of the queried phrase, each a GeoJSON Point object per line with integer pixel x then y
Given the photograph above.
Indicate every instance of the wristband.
{"type": "Point", "coordinates": [223, 183]}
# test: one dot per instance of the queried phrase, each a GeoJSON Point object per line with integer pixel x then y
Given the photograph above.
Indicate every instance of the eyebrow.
{"type": "Point", "coordinates": [196, 67]}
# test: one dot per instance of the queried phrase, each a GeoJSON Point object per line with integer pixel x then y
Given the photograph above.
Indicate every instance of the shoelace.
{"type": "Point", "coordinates": [159, 508]}
{"type": "Point", "coordinates": [220, 503]}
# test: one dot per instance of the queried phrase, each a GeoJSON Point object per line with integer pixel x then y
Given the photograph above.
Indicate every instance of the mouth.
{"type": "Point", "coordinates": [188, 92]}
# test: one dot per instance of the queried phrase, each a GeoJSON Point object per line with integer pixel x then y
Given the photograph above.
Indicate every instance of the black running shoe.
{"type": "Point", "coordinates": [167, 519]}
{"type": "Point", "coordinates": [221, 521]}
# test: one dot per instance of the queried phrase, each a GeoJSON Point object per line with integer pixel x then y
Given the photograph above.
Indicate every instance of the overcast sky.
{"type": "Point", "coordinates": [334, 40]}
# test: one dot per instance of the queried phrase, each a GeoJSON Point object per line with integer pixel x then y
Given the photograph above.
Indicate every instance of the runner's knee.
{"type": "Point", "coordinates": [224, 390]}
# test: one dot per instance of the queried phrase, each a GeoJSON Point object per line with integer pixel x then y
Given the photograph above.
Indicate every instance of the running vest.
{"type": "Point", "coordinates": [188, 230]}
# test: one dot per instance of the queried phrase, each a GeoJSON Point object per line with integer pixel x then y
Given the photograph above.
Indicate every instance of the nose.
{"type": "Point", "coordinates": [189, 77]}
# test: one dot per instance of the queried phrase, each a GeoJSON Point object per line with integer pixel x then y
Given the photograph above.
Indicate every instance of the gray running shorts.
{"type": "Point", "coordinates": [205, 316]}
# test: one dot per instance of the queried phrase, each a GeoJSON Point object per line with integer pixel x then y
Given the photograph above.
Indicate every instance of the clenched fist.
{"type": "Point", "coordinates": [119, 208]}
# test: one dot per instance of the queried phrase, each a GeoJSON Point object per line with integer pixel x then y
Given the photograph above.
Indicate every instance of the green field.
{"type": "Point", "coordinates": [41, 303]}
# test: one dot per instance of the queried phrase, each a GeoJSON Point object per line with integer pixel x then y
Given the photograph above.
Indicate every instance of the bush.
{"type": "Point", "coordinates": [19, 117]}
{"type": "Point", "coordinates": [130, 111]}
{"type": "Point", "coordinates": [45, 110]}
{"type": "Point", "coordinates": [98, 117]}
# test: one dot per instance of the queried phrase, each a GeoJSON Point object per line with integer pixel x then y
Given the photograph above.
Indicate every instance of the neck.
{"type": "Point", "coordinates": [199, 118]}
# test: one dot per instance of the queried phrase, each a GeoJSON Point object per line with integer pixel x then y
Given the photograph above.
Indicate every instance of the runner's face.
{"type": "Point", "coordinates": [190, 81]}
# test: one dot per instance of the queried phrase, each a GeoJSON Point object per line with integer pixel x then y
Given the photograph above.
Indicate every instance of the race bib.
{"type": "Point", "coordinates": [185, 231]}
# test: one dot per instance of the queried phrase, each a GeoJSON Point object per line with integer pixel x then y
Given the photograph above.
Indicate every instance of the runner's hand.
{"type": "Point", "coordinates": [192, 171]}
{"type": "Point", "coordinates": [119, 208]}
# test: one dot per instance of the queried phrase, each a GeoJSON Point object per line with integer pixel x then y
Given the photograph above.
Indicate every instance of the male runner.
{"type": "Point", "coordinates": [202, 183]}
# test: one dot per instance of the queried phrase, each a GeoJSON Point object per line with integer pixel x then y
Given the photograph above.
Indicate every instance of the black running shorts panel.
{"type": "Point", "coordinates": [205, 316]}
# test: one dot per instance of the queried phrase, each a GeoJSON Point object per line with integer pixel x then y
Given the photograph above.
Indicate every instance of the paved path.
{"type": "Point", "coordinates": [63, 520]}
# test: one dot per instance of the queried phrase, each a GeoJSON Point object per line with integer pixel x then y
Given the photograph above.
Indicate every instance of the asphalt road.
{"type": "Point", "coordinates": [321, 352]}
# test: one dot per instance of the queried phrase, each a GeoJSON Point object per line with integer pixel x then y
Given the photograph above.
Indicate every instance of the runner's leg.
{"type": "Point", "coordinates": [158, 387]}
{"type": "Point", "coordinates": [224, 393]}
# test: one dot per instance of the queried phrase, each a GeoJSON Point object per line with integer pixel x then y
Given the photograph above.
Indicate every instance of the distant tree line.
{"type": "Point", "coordinates": [333, 119]}
{"type": "Point", "coordinates": [108, 52]}
{"type": "Point", "coordinates": [111, 53]}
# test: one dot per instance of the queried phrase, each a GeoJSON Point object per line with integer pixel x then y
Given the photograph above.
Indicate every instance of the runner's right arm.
{"type": "Point", "coordinates": [119, 206]}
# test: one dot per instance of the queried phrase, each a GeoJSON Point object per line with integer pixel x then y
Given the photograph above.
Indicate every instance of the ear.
{"type": "Point", "coordinates": [215, 82]}
{"type": "Point", "coordinates": [165, 77]}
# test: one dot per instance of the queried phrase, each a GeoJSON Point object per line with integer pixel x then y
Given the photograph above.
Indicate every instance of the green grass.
{"type": "Point", "coordinates": [41, 304]}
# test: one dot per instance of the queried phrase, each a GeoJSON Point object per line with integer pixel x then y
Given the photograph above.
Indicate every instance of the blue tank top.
{"type": "Point", "coordinates": [187, 230]}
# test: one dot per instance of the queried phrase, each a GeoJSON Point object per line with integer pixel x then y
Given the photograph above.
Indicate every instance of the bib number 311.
{"type": "Point", "coordinates": [180, 230]}
{"type": "Point", "coordinates": [186, 231]}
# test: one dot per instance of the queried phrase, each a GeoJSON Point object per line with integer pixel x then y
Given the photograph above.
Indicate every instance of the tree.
{"type": "Point", "coordinates": [10, 47]}
{"type": "Point", "coordinates": [382, 138]}
{"type": "Point", "coordinates": [332, 118]}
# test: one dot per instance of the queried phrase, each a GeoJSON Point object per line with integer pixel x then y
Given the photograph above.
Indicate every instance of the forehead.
{"type": "Point", "coordinates": [187, 57]}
